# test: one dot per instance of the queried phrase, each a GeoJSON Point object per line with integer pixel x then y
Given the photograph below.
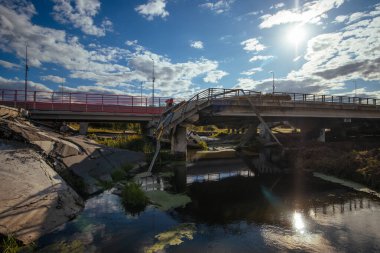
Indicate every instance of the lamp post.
{"type": "Point", "coordinates": [272, 81]}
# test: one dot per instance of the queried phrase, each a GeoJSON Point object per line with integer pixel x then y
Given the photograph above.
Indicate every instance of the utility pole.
{"type": "Point", "coordinates": [272, 81]}
{"type": "Point", "coordinates": [153, 79]}
{"type": "Point", "coordinates": [141, 86]}
{"type": "Point", "coordinates": [26, 75]}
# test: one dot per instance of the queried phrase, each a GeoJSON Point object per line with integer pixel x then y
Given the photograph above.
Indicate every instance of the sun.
{"type": "Point", "coordinates": [296, 35]}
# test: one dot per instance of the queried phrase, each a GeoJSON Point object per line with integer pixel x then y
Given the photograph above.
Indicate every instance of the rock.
{"type": "Point", "coordinates": [34, 199]}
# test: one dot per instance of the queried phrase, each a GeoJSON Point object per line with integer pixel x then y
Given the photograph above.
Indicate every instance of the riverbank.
{"type": "Point", "coordinates": [45, 175]}
{"type": "Point", "coordinates": [357, 160]}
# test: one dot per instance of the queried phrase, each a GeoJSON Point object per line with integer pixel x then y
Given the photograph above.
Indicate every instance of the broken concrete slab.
{"type": "Point", "coordinates": [34, 199]}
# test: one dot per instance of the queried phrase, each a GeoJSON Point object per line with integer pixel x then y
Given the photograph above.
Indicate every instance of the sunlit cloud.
{"type": "Point", "coordinates": [218, 6]}
{"type": "Point", "coordinates": [152, 9]}
{"type": "Point", "coordinates": [310, 12]}
{"type": "Point", "coordinates": [196, 44]}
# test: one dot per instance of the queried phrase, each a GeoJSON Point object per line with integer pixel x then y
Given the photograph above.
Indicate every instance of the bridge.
{"type": "Point", "coordinates": [237, 108]}
{"type": "Point", "coordinates": [84, 107]}
{"type": "Point", "coordinates": [233, 108]}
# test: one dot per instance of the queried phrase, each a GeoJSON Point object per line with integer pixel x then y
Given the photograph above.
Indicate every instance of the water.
{"type": "Point", "coordinates": [233, 211]}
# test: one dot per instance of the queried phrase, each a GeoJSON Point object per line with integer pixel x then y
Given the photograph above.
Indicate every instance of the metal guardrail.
{"type": "Point", "coordinates": [302, 97]}
{"type": "Point", "coordinates": [92, 102]}
{"type": "Point", "coordinates": [81, 102]}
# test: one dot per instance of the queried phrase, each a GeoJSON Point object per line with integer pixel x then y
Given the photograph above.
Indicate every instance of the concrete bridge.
{"type": "Point", "coordinates": [84, 107]}
{"type": "Point", "coordinates": [237, 108]}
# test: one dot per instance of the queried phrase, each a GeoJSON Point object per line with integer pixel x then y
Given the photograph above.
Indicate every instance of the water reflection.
{"type": "Point", "coordinates": [298, 222]}
{"type": "Point", "coordinates": [234, 211]}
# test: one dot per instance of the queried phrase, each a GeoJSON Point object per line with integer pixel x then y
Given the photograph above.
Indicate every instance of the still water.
{"type": "Point", "coordinates": [233, 211]}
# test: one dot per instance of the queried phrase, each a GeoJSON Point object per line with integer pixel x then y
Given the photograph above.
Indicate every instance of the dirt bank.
{"type": "Point", "coordinates": [357, 160]}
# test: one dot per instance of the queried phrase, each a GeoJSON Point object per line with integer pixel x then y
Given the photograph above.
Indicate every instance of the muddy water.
{"type": "Point", "coordinates": [233, 211]}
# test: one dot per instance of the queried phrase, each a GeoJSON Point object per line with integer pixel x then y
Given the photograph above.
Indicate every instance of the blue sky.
{"type": "Point", "coordinates": [99, 46]}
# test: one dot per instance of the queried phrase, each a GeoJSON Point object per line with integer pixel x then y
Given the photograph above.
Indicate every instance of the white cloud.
{"type": "Point", "coordinates": [341, 18]}
{"type": "Point", "coordinates": [131, 42]}
{"type": "Point", "coordinates": [17, 84]}
{"type": "Point", "coordinates": [311, 12]}
{"type": "Point", "coordinates": [80, 14]}
{"type": "Point", "coordinates": [307, 85]}
{"type": "Point", "coordinates": [214, 76]}
{"type": "Point", "coordinates": [107, 67]}
{"type": "Point", "coordinates": [196, 44]}
{"type": "Point", "coordinates": [219, 6]}
{"type": "Point", "coordinates": [251, 71]}
{"type": "Point", "coordinates": [54, 79]}
{"type": "Point", "coordinates": [152, 9]}
{"type": "Point", "coordinates": [261, 58]}
{"type": "Point", "coordinates": [277, 6]}
{"type": "Point", "coordinates": [8, 65]}
{"type": "Point", "coordinates": [252, 45]}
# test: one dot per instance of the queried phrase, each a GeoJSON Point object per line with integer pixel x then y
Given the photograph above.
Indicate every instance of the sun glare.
{"type": "Point", "coordinates": [296, 35]}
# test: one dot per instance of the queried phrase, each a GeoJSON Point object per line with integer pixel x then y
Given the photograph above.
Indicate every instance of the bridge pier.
{"type": "Point", "coordinates": [322, 135]}
{"type": "Point", "coordinates": [83, 127]}
{"type": "Point", "coordinates": [179, 142]}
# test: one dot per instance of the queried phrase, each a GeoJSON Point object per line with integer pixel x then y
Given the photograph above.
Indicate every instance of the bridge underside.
{"type": "Point", "coordinates": [71, 116]}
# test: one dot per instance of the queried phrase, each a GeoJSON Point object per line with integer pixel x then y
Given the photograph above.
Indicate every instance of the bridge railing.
{"type": "Point", "coordinates": [317, 98]}
{"type": "Point", "coordinates": [81, 102]}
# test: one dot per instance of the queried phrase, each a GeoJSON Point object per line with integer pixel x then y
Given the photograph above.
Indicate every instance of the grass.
{"type": "Point", "coordinates": [9, 245]}
{"type": "Point", "coordinates": [131, 142]}
{"type": "Point", "coordinates": [118, 175]}
{"type": "Point", "coordinates": [362, 166]}
{"type": "Point", "coordinates": [133, 198]}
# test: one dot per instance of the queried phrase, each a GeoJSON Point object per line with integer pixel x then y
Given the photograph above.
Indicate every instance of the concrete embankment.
{"type": "Point", "coordinates": [41, 172]}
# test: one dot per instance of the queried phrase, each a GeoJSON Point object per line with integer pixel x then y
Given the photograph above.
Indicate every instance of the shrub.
{"type": "Point", "coordinates": [203, 145]}
{"type": "Point", "coordinates": [133, 198]}
{"type": "Point", "coordinates": [9, 245]}
{"type": "Point", "coordinates": [118, 175]}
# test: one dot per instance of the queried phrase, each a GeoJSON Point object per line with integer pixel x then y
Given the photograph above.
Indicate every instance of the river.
{"type": "Point", "coordinates": [231, 211]}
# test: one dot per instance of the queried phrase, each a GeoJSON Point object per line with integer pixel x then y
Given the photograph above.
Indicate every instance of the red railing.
{"type": "Point", "coordinates": [82, 102]}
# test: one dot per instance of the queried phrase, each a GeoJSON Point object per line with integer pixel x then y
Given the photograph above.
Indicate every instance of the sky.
{"type": "Point", "coordinates": [112, 47]}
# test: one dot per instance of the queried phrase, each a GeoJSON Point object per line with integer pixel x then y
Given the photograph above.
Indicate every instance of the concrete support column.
{"type": "Point", "coordinates": [179, 142]}
{"type": "Point", "coordinates": [322, 135]}
{"type": "Point", "coordinates": [83, 127]}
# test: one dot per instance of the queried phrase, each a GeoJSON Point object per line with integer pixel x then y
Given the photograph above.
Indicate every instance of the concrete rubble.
{"type": "Point", "coordinates": [34, 199]}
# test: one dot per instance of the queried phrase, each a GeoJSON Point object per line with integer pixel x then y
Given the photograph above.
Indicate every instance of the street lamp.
{"type": "Point", "coordinates": [272, 80]}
